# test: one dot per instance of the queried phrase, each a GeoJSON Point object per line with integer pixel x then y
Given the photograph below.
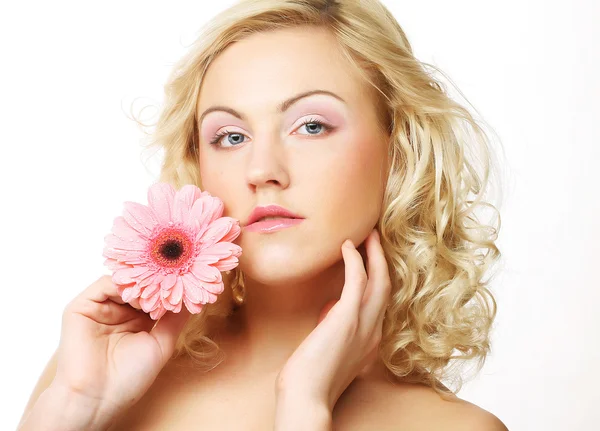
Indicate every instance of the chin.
{"type": "Point", "coordinates": [276, 264]}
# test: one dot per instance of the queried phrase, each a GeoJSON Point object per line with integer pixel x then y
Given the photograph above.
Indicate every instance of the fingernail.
{"type": "Point", "coordinates": [348, 244]}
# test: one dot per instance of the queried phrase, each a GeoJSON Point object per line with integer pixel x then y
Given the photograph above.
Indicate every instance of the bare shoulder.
{"type": "Point", "coordinates": [454, 414]}
{"type": "Point", "coordinates": [409, 406]}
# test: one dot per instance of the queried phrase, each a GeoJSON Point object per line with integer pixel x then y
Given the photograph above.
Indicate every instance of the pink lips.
{"type": "Point", "coordinates": [279, 218]}
{"type": "Point", "coordinates": [273, 224]}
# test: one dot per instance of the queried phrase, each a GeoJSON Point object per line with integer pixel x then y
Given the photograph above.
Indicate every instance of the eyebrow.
{"type": "Point", "coordinates": [282, 107]}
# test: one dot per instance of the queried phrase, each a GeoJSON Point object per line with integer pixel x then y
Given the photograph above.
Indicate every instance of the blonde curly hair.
{"type": "Point", "coordinates": [437, 249]}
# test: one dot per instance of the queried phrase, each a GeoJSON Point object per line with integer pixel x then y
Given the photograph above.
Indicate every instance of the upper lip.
{"type": "Point", "coordinates": [269, 211]}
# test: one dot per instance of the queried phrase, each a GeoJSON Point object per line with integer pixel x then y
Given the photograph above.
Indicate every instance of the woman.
{"type": "Point", "coordinates": [321, 108]}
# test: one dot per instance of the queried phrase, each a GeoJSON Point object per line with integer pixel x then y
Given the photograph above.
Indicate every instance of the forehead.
{"type": "Point", "coordinates": [267, 67]}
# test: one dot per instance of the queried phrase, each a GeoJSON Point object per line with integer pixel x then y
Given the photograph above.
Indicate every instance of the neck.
{"type": "Point", "coordinates": [274, 319]}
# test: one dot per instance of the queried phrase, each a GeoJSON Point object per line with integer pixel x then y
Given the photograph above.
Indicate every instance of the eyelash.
{"type": "Point", "coordinates": [223, 133]}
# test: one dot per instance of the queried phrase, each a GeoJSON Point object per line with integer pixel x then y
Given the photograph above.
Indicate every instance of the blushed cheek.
{"type": "Point", "coordinates": [216, 180]}
{"type": "Point", "coordinates": [210, 175]}
{"type": "Point", "coordinates": [364, 175]}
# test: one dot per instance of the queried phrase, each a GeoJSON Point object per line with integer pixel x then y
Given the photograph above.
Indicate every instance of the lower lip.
{"type": "Point", "coordinates": [273, 224]}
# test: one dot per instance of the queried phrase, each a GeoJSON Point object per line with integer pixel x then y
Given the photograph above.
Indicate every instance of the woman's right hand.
{"type": "Point", "coordinates": [111, 352]}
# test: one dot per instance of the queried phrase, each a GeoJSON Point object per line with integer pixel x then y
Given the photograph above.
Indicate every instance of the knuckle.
{"type": "Point", "coordinates": [104, 311]}
{"type": "Point", "coordinates": [108, 284]}
{"type": "Point", "coordinates": [95, 310]}
{"type": "Point", "coordinates": [68, 309]}
{"type": "Point", "coordinates": [372, 344]}
{"type": "Point", "coordinates": [104, 281]}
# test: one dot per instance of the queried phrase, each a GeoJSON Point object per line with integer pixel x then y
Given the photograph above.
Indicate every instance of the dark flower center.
{"type": "Point", "coordinates": [172, 248]}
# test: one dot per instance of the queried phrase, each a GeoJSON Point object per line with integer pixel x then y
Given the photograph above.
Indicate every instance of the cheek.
{"type": "Point", "coordinates": [216, 181]}
{"type": "Point", "coordinates": [355, 178]}
{"type": "Point", "coordinates": [209, 173]}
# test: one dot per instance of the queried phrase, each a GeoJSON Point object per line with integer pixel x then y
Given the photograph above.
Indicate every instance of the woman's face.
{"type": "Point", "coordinates": [332, 175]}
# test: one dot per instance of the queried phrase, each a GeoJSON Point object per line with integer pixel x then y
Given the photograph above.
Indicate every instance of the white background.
{"type": "Point", "coordinates": [70, 157]}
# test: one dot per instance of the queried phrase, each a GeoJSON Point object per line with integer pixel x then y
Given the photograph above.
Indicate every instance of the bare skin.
{"type": "Point", "coordinates": [334, 177]}
{"type": "Point", "coordinates": [230, 398]}
{"type": "Point", "coordinates": [321, 173]}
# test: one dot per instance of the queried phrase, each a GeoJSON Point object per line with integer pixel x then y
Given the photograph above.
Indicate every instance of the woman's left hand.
{"type": "Point", "coordinates": [347, 339]}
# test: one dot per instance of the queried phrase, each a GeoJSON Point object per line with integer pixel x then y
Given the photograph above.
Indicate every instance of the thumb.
{"type": "Point", "coordinates": [167, 330]}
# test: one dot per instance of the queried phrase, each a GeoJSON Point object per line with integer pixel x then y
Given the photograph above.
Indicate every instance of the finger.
{"type": "Point", "coordinates": [378, 287]}
{"type": "Point", "coordinates": [379, 324]}
{"type": "Point", "coordinates": [109, 313]}
{"type": "Point", "coordinates": [167, 330]}
{"type": "Point", "coordinates": [101, 290]}
{"type": "Point", "coordinates": [355, 276]}
{"type": "Point", "coordinates": [373, 269]}
{"type": "Point", "coordinates": [104, 288]}
{"type": "Point", "coordinates": [99, 294]}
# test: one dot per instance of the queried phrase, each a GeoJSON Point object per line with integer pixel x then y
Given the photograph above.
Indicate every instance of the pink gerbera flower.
{"type": "Point", "coordinates": [172, 251]}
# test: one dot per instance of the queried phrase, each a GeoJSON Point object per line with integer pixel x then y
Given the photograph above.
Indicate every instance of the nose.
{"type": "Point", "coordinates": [266, 164]}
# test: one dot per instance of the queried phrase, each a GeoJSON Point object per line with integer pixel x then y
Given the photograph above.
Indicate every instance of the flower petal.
{"type": "Point", "coordinates": [117, 243]}
{"type": "Point", "coordinates": [115, 264]}
{"type": "Point", "coordinates": [220, 250]}
{"type": "Point", "coordinates": [158, 313]}
{"type": "Point", "coordinates": [177, 308]}
{"type": "Point", "coordinates": [199, 216]}
{"type": "Point", "coordinates": [206, 259]}
{"type": "Point", "coordinates": [168, 282]}
{"type": "Point", "coordinates": [183, 202]}
{"type": "Point", "coordinates": [134, 260]}
{"type": "Point", "coordinates": [192, 307]}
{"type": "Point", "coordinates": [204, 211]}
{"type": "Point", "coordinates": [222, 255]}
{"type": "Point", "coordinates": [140, 218]}
{"type": "Point", "coordinates": [150, 303]}
{"type": "Point", "coordinates": [213, 288]}
{"type": "Point", "coordinates": [123, 255]}
{"type": "Point", "coordinates": [205, 272]}
{"type": "Point", "coordinates": [166, 304]}
{"type": "Point", "coordinates": [234, 232]}
{"type": "Point", "coordinates": [111, 253]}
{"type": "Point", "coordinates": [160, 200]}
{"type": "Point", "coordinates": [227, 264]}
{"type": "Point", "coordinates": [147, 281]}
{"type": "Point", "coordinates": [192, 289]}
{"type": "Point", "coordinates": [216, 230]}
{"type": "Point", "coordinates": [129, 275]}
{"type": "Point", "coordinates": [150, 290]}
{"type": "Point", "coordinates": [123, 230]}
{"type": "Point", "coordinates": [130, 293]}
{"type": "Point", "coordinates": [217, 208]}
{"type": "Point", "coordinates": [176, 292]}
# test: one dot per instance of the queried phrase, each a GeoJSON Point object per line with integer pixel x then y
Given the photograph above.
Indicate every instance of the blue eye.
{"type": "Point", "coordinates": [319, 125]}
{"type": "Point", "coordinates": [219, 135]}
